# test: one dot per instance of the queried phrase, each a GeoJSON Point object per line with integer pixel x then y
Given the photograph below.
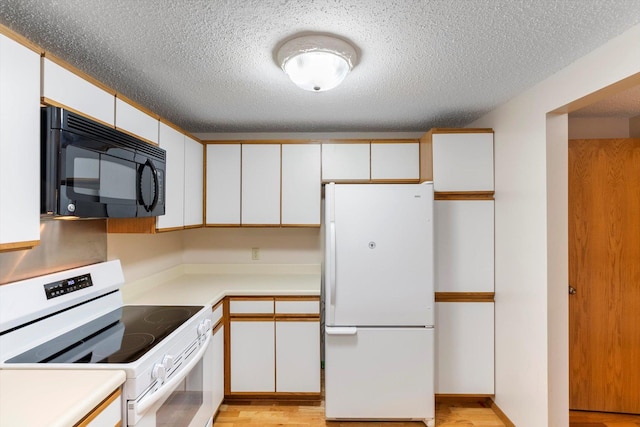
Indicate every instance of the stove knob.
{"type": "Point", "coordinates": [158, 372]}
{"type": "Point", "coordinates": [167, 362]}
{"type": "Point", "coordinates": [203, 328]}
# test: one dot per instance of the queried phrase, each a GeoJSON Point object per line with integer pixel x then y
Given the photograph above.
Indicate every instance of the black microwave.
{"type": "Point", "coordinates": [90, 170]}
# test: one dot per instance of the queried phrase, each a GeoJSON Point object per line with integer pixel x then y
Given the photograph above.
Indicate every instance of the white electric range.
{"type": "Point", "coordinates": [75, 319]}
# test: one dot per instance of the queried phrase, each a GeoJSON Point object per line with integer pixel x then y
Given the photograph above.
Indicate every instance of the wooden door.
{"type": "Point", "coordinates": [604, 268]}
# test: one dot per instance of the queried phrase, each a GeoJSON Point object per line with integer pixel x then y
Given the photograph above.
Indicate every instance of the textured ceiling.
{"type": "Point", "coordinates": [208, 65]}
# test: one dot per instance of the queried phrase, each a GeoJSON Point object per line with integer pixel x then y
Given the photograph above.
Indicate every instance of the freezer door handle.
{"type": "Point", "coordinates": [341, 330]}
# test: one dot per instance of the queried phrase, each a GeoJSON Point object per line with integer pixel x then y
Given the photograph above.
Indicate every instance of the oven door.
{"type": "Point", "coordinates": [185, 400]}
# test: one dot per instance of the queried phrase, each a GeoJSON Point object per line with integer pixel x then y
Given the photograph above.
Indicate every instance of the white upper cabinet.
{"type": "Point", "coordinates": [19, 145]}
{"type": "Point", "coordinates": [260, 184]}
{"type": "Point", "coordinates": [63, 88]}
{"type": "Point", "coordinates": [464, 348]}
{"type": "Point", "coordinates": [345, 162]}
{"type": "Point", "coordinates": [463, 161]}
{"type": "Point", "coordinates": [223, 184]}
{"type": "Point", "coordinates": [172, 142]}
{"type": "Point", "coordinates": [193, 182]}
{"type": "Point", "coordinates": [395, 161]}
{"type": "Point", "coordinates": [137, 122]}
{"type": "Point", "coordinates": [463, 239]}
{"type": "Point", "coordinates": [301, 186]}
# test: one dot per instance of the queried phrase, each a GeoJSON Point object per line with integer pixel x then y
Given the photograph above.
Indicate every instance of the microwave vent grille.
{"type": "Point", "coordinates": [91, 128]}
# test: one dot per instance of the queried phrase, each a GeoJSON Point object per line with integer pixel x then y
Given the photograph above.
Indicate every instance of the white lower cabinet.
{"type": "Point", "coordinates": [464, 348]}
{"type": "Point", "coordinates": [252, 356]}
{"type": "Point", "coordinates": [298, 356]}
{"type": "Point", "coordinates": [218, 368]}
{"type": "Point", "coordinates": [274, 345]}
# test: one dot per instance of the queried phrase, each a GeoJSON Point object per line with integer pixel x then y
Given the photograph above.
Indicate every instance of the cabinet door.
{"type": "Point", "coordinates": [464, 348]}
{"type": "Point", "coordinates": [223, 184]}
{"type": "Point", "coordinates": [463, 162]}
{"type": "Point", "coordinates": [172, 142]}
{"type": "Point", "coordinates": [252, 356]}
{"type": "Point", "coordinates": [345, 162]}
{"type": "Point", "coordinates": [463, 239]}
{"type": "Point", "coordinates": [301, 186]}
{"type": "Point", "coordinates": [298, 356]}
{"type": "Point", "coordinates": [137, 122]}
{"type": "Point", "coordinates": [395, 161]}
{"type": "Point", "coordinates": [193, 182]}
{"type": "Point", "coordinates": [260, 184]}
{"type": "Point", "coordinates": [218, 368]}
{"type": "Point", "coordinates": [19, 145]}
{"type": "Point", "coordinates": [62, 87]}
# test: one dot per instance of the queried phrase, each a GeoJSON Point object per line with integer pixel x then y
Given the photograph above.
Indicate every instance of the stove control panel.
{"type": "Point", "coordinates": [66, 286]}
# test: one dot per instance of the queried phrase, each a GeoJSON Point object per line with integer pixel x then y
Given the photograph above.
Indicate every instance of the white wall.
{"type": "Point", "coordinates": [531, 229]}
{"type": "Point", "coordinates": [233, 245]}
{"type": "Point", "coordinates": [144, 254]}
{"type": "Point", "coordinates": [598, 127]}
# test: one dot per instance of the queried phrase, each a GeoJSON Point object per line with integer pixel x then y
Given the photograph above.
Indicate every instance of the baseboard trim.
{"type": "Point", "coordinates": [503, 417]}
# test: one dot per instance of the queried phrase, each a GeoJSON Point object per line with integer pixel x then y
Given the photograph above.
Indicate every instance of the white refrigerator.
{"type": "Point", "coordinates": [379, 302]}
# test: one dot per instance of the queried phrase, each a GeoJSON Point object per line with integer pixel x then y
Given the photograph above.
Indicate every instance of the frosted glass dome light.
{"type": "Point", "coordinates": [316, 63]}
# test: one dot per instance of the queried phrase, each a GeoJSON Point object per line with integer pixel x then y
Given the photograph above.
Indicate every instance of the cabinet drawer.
{"type": "Point", "coordinates": [251, 306]}
{"type": "Point", "coordinates": [217, 314]}
{"type": "Point", "coordinates": [107, 414]}
{"type": "Point", "coordinates": [297, 307]}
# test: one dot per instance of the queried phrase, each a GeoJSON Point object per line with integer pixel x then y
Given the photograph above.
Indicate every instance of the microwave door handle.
{"type": "Point", "coordinates": [154, 173]}
{"type": "Point", "coordinates": [156, 185]}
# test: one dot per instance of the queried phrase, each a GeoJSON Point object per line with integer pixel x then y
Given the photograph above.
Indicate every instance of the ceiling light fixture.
{"type": "Point", "coordinates": [317, 62]}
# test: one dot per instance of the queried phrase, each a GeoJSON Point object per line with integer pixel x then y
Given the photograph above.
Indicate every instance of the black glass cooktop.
{"type": "Point", "coordinates": [121, 336]}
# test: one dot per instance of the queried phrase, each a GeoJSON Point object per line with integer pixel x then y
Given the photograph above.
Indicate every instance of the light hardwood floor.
{"type": "Point", "coordinates": [295, 413]}
{"type": "Point", "coordinates": [602, 419]}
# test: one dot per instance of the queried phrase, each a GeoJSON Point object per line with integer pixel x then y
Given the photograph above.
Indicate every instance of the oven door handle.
{"type": "Point", "coordinates": [141, 406]}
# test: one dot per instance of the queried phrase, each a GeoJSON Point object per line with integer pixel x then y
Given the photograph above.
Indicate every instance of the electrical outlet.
{"type": "Point", "coordinates": [255, 254]}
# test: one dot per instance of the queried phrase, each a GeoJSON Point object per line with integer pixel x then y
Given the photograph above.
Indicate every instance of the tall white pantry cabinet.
{"type": "Point", "coordinates": [464, 259]}
{"type": "Point", "coordinates": [19, 145]}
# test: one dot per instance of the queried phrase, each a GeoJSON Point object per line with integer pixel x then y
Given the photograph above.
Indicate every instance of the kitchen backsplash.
{"type": "Point", "coordinates": [64, 244]}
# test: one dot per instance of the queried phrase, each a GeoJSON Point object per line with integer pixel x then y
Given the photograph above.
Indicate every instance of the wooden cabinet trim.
{"type": "Point", "coordinates": [218, 304]}
{"type": "Point", "coordinates": [49, 101]}
{"type": "Point", "coordinates": [132, 225]}
{"type": "Point", "coordinates": [396, 181]}
{"type": "Point", "coordinates": [465, 296]}
{"type": "Point", "coordinates": [20, 39]}
{"type": "Point", "coordinates": [250, 298]}
{"type": "Point", "coordinates": [251, 317]}
{"type": "Point", "coordinates": [295, 317]}
{"type": "Point", "coordinates": [426, 158]}
{"type": "Point", "coordinates": [464, 195]}
{"type": "Point", "coordinates": [16, 246]}
{"type": "Point", "coordinates": [297, 298]}
{"type": "Point", "coordinates": [98, 409]}
{"type": "Point", "coordinates": [460, 130]}
{"type": "Point", "coordinates": [217, 326]}
{"type": "Point", "coordinates": [166, 230]}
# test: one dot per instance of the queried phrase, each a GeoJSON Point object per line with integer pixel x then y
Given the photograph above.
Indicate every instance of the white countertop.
{"type": "Point", "coordinates": [195, 284]}
{"type": "Point", "coordinates": [53, 397]}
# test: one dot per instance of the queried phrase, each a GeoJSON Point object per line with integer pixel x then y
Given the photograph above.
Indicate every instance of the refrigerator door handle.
{"type": "Point", "coordinates": [341, 330]}
{"type": "Point", "coordinates": [332, 264]}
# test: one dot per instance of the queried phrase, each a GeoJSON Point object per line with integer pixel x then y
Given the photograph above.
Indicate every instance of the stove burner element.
{"type": "Point", "coordinates": [131, 344]}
